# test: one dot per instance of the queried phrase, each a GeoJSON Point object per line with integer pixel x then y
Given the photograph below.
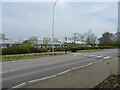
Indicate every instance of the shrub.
{"type": "Point", "coordinates": [106, 47]}
{"type": "Point", "coordinates": [83, 48]}
{"type": "Point", "coordinates": [60, 49]}
{"type": "Point", "coordinates": [19, 49]}
{"type": "Point", "coordinates": [74, 49]}
{"type": "Point", "coordinates": [42, 50]}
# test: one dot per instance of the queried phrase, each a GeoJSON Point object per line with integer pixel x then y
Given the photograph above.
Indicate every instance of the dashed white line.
{"type": "Point", "coordinates": [107, 57]}
{"type": "Point", "coordinates": [75, 55]}
{"type": "Point", "coordinates": [92, 55]}
{"type": "Point", "coordinates": [99, 56]}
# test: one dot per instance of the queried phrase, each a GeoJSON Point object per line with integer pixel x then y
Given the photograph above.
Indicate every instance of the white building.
{"type": "Point", "coordinates": [47, 43]}
{"type": "Point", "coordinates": [5, 42]}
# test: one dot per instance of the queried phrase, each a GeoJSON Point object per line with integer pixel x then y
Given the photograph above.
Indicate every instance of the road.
{"type": "Point", "coordinates": [17, 72]}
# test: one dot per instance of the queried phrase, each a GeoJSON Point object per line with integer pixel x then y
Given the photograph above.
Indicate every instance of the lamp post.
{"type": "Point", "coordinates": [53, 27]}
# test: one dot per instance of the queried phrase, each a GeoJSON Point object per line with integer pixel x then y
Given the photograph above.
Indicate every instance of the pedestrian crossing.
{"type": "Point", "coordinates": [92, 56]}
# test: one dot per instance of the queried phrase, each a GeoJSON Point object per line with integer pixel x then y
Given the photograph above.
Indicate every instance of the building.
{"type": "Point", "coordinates": [46, 40]}
{"type": "Point", "coordinates": [47, 43]}
{"type": "Point", "coordinates": [5, 42]}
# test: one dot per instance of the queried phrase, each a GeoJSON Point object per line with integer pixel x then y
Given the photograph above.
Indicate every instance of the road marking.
{"type": "Point", "coordinates": [41, 79]}
{"type": "Point", "coordinates": [107, 57]}
{"type": "Point", "coordinates": [64, 72]}
{"type": "Point", "coordinates": [19, 85]}
{"type": "Point", "coordinates": [99, 56]}
{"type": "Point", "coordinates": [46, 69]}
{"type": "Point", "coordinates": [82, 66]}
{"type": "Point", "coordinates": [92, 55]}
{"type": "Point", "coordinates": [75, 55]}
{"type": "Point", "coordinates": [54, 75]}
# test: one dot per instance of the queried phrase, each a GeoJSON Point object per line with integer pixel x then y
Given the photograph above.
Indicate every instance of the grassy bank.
{"type": "Point", "coordinates": [26, 56]}
{"type": "Point", "coordinates": [112, 81]}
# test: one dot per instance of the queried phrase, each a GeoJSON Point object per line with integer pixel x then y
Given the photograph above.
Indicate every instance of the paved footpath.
{"type": "Point", "coordinates": [86, 77]}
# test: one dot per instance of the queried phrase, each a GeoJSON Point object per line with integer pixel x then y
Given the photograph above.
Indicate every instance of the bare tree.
{"type": "Point", "coordinates": [75, 37]}
{"type": "Point", "coordinates": [90, 38]}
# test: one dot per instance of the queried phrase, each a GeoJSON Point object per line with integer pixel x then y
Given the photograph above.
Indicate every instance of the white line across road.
{"type": "Point", "coordinates": [92, 55]}
{"type": "Point", "coordinates": [107, 57]}
{"type": "Point", "coordinates": [99, 56]}
{"type": "Point", "coordinates": [96, 56]}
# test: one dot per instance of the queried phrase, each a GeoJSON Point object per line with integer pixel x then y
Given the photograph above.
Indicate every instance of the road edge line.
{"type": "Point", "coordinates": [33, 81]}
{"type": "Point", "coordinates": [18, 85]}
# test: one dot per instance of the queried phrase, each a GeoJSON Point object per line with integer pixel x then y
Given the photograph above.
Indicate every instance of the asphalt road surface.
{"type": "Point", "coordinates": [17, 72]}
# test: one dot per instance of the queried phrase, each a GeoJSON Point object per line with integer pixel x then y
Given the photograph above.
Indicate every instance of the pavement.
{"type": "Point", "coordinates": [86, 77]}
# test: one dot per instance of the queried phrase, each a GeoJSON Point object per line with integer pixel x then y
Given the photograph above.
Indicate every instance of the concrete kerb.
{"type": "Point", "coordinates": [45, 78]}
{"type": "Point", "coordinates": [97, 83]}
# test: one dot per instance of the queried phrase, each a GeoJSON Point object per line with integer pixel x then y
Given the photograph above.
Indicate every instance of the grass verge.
{"type": "Point", "coordinates": [26, 56]}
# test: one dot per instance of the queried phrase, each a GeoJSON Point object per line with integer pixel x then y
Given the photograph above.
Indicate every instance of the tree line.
{"type": "Point", "coordinates": [89, 38]}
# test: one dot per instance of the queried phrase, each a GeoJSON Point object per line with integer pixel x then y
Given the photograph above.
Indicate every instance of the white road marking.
{"type": "Point", "coordinates": [42, 79]}
{"type": "Point", "coordinates": [54, 75]}
{"type": "Point", "coordinates": [99, 56]}
{"type": "Point", "coordinates": [64, 72]}
{"type": "Point", "coordinates": [92, 55]}
{"type": "Point", "coordinates": [82, 66]}
{"type": "Point", "coordinates": [19, 85]}
{"type": "Point", "coordinates": [75, 55]}
{"type": "Point", "coordinates": [107, 57]}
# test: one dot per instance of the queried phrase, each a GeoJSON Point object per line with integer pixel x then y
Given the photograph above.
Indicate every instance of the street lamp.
{"type": "Point", "coordinates": [53, 27]}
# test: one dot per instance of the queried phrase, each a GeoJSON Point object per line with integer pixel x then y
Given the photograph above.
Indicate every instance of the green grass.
{"type": "Point", "coordinates": [17, 57]}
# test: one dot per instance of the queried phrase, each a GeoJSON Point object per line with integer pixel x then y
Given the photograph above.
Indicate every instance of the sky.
{"type": "Point", "coordinates": [26, 19]}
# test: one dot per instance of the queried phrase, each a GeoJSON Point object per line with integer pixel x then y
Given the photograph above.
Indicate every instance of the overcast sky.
{"type": "Point", "coordinates": [25, 19]}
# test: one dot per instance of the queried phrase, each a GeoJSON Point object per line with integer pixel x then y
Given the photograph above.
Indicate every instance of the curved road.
{"type": "Point", "coordinates": [17, 72]}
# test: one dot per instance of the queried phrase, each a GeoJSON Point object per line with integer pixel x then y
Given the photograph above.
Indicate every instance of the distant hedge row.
{"type": "Point", "coordinates": [74, 49]}
{"type": "Point", "coordinates": [22, 49]}
{"type": "Point", "coordinates": [83, 48]}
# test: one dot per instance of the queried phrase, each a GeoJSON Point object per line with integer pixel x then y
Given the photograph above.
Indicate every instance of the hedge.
{"type": "Point", "coordinates": [19, 49]}
{"type": "Point", "coordinates": [74, 49]}
{"type": "Point", "coordinates": [42, 50]}
{"type": "Point", "coordinates": [60, 49]}
{"type": "Point", "coordinates": [22, 49]}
